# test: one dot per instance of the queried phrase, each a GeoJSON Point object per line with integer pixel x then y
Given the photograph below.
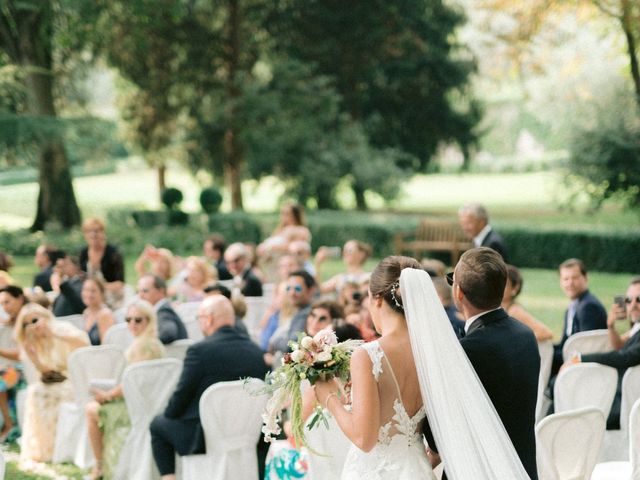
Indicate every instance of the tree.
{"type": "Point", "coordinates": [26, 38]}
{"type": "Point", "coordinates": [395, 66]}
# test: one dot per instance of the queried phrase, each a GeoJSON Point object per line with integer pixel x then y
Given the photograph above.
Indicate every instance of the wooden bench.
{"type": "Point", "coordinates": [433, 236]}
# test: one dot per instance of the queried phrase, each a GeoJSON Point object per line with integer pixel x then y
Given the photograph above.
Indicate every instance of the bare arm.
{"type": "Point", "coordinates": [615, 313]}
{"type": "Point", "coordinates": [540, 330]}
{"type": "Point", "coordinates": [10, 353]}
{"type": "Point", "coordinates": [361, 424]}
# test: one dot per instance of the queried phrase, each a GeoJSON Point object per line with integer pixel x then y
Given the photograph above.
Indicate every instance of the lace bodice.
{"type": "Point", "coordinates": [395, 421]}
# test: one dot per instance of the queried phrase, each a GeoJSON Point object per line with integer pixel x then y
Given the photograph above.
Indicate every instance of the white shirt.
{"type": "Point", "coordinates": [477, 240]}
{"type": "Point", "coordinates": [470, 320]}
{"type": "Point", "coordinates": [635, 329]}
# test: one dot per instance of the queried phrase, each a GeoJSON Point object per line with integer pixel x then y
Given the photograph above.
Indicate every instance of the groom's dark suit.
{"type": "Point", "coordinates": [504, 354]}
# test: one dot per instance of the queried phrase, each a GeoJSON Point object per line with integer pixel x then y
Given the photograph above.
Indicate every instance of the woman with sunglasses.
{"type": "Point", "coordinates": [107, 419]}
{"type": "Point", "coordinates": [12, 299]}
{"type": "Point", "coordinates": [97, 316]}
{"type": "Point", "coordinates": [47, 343]}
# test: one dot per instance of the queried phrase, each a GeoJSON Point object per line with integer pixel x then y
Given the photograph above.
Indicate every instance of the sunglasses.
{"type": "Point", "coordinates": [449, 277]}
{"type": "Point", "coordinates": [295, 288]}
{"type": "Point", "coordinates": [137, 320]}
{"type": "Point", "coordinates": [321, 318]}
{"type": "Point", "coordinates": [234, 260]}
{"type": "Point", "coordinates": [32, 321]}
{"type": "Point", "coordinates": [631, 299]}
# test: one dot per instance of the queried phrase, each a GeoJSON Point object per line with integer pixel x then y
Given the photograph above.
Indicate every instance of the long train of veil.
{"type": "Point", "coordinates": [470, 437]}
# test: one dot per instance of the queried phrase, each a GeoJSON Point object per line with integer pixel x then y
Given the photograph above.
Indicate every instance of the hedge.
{"type": "Point", "coordinates": [533, 248]}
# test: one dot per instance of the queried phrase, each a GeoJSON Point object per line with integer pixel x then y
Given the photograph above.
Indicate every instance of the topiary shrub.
{"type": "Point", "coordinates": [210, 200]}
{"type": "Point", "coordinates": [171, 198]}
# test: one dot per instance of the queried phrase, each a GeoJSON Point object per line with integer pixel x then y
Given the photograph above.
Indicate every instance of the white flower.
{"type": "Point", "coordinates": [327, 349]}
{"type": "Point", "coordinates": [297, 356]}
{"type": "Point", "coordinates": [326, 337]}
{"type": "Point", "coordinates": [323, 357]}
{"type": "Point", "coordinates": [306, 342]}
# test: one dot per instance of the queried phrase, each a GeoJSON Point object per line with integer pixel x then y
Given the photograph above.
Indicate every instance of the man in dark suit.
{"type": "Point", "coordinates": [67, 279]}
{"type": "Point", "coordinates": [45, 258]}
{"type": "Point", "coordinates": [224, 355]}
{"type": "Point", "coordinates": [627, 346]}
{"type": "Point", "coordinates": [153, 289]}
{"type": "Point", "coordinates": [237, 259]}
{"type": "Point", "coordinates": [213, 249]}
{"type": "Point", "coordinates": [503, 351]}
{"type": "Point", "coordinates": [585, 311]}
{"type": "Point", "coordinates": [474, 221]}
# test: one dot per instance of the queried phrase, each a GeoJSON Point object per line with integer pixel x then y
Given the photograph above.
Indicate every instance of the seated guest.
{"type": "Point", "coordinates": [103, 260]}
{"type": "Point", "coordinates": [170, 327]}
{"type": "Point", "coordinates": [238, 303]}
{"type": "Point", "coordinates": [196, 275]}
{"type": "Point", "coordinates": [474, 221]}
{"type": "Point", "coordinates": [237, 258]}
{"type": "Point", "coordinates": [585, 311]}
{"type": "Point", "coordinates": [323, 314]}
{"type": "Point", "coordinates": [47, 343]}
{"type": "Point", "coordinates": [626, 351]}
{"type": "Point", "coordinates": [107, 418]}
{"type": "Point", "coordinates": [213, 249]}
{"type": "Point", "coordinates": [354, 255]}
{"type": "Point", "coordinates": [45, 259]}
{"type": "Point", "coordinates": [157, 261]}
{"type": "Point", "coordinates": [98, 318]}
{"type": "Point", "coordinates": [301, 251]}
{"type": "Point", "coordinates": [434, 267]}
{"type": "Point", "coordinates": [67, 280]}
{"type": "Point", "coordinates": [291, 227]}
{"type": "Point", "coordinates": [12, 300]}
{"type": "Point", "coordinates": [6, 262]}
{"type": "Point", "coordinates": [511, 290]}
{"type": "Point", "coordinates": [444, 293]}
{"type": "Point", "coordinates": [224, 355]}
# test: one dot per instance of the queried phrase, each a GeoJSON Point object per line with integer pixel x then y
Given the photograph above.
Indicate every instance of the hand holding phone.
{"type": "Point", "coordinates": [621, 306]}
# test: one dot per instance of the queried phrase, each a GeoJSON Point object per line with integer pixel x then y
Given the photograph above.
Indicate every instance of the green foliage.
{"type": "Point", "coordinates": [606, 152]}
{"type": "Point", "coordinates": [236, 227]}
{"type": "Point", "coordinates": [171, 198]}
{"type": "Point", "coordinates": [210, 200]}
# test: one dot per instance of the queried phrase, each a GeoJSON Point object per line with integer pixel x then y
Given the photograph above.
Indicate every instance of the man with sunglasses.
{"type": "Point", "coordinates": [627, 346]}
{"type": "Point", "coordinates": [236, 256]}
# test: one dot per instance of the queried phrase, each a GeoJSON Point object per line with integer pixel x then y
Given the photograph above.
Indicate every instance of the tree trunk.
{"type": "Point", "coordinates": [361, 202]}
{"type": "Point", "coordinates": [627, 27]}
{"type": "Point", "coordinates": [162, 183]}
{"type": "Point", "coordinates": [232, 169]}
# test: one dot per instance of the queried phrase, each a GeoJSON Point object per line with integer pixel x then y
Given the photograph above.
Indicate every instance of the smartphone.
{"type": "Point", "coordinates": [619, 301]}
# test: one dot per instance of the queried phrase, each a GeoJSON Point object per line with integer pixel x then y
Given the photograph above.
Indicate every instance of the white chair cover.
{"type": "Point", "coordinates": [585, 385]}
{"type": "Point", "coordinates": [333, 445]}
{"type": "Point", "coordinates": [178, 348]}
{"type": "Point", "coordinates": [546, 360]}
{"type": "Point", "coordinates": [232, 419]}
{"type": "Point", "coordinates": [187, 311]}
{"type": "Point", "coordinates": [120, 314]}
{"type": "Point", "coordinates": [193, 330]}
{"type": "Point", "coordinates": [624, 470]}
{"type": "Point", "coordinates": [76, 320]}
{"type": "Point", "coordinates": [591, 341]}
{"type": "Point", "coordinates": [256, 306]}
{"type": "Point", "coordinates": [616, 442]}
{"type": "Point", "coordinates": [2, 465]}
{"type": "Point", "coordinates": [567, 444]}
{"type": "Point", "coordinates": [268, 290]}
{"type": "Point", "coordinates": [118, 335]}
{"type": "Point", "coordinates": [147, 387]}
{"type": "Point", "coordinates": [84, 364]}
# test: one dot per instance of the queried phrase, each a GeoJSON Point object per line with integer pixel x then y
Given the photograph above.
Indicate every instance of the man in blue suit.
{"type": "Point", "coordinates": [224, 355]}
{"type": "Point", "coordinates": [626, 353]}
{"type": "Point", "coordinates": [585, 311]}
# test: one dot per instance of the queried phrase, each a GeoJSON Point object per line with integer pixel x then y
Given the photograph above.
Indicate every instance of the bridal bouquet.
{"type": "Point", "coordinates": [312, 358]}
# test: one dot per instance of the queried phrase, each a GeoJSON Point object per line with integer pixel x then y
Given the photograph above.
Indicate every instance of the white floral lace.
{"type": "Point", "coordinates": [375, 354]}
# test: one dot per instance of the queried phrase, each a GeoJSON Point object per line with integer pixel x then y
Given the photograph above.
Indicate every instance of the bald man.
{"type": "Point", "coordinates": [224, 355]}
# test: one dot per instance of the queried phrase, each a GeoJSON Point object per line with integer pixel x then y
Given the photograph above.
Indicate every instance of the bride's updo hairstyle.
{"type": "Point", "coordinates": [385, 280]}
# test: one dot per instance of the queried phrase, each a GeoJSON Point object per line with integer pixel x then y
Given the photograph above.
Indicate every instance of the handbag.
{"type": "Point", "coordinates": [52, 376]}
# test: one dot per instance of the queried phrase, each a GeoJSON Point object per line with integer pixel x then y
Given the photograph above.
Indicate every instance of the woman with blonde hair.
{"type": "Point", "coordinates": [354, 255]}
{"type": "Point", "coordinates": [196, 275]}
{"type": "Point", "coordinates": [47, 343]}
{"type": "Point", "coordinates": [107, 420]}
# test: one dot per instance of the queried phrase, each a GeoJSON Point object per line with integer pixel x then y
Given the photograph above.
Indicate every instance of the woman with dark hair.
{"type": "Point", "coordinates": [98, 318]}
{"type": "Point", "coordinates": [12, 299]}
{"type": "Point", "coordinates": [386, 414]}
{"type": "Point", "coordinates": [511, 290]}
{"type": "Point", "coordinates": [354, 255]}
{"type": "Point", "coordinates": [291, 227]}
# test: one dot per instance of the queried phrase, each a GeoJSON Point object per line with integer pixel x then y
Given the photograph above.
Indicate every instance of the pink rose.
{"type": "Point", "coordinates": [326, 337]}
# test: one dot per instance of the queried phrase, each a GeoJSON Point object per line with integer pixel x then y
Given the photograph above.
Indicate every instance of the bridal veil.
{"type": "Point", "coordinates": [470, 437]}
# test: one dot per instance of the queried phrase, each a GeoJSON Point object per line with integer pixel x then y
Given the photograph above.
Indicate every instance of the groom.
{"type": "Point", "coordinates": [503, 351]}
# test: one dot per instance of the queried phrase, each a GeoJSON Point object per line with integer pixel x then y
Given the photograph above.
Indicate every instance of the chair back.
{"type": "Point", "coordinates": [231, 417]}
{"type": "Point", "coordinates": [567, 444]}
{"type": "Point", "coordinates": [630, 394]}
{"type": "Point", "coordinates": [585, 385]}
{"type": "Point", "coordinates": [268, 291]}
{"type": "Point", "coordinates": [102, 362]}
{"type": "Point", "coordinates": [76, 320]}
{"type": "Point", "coordinates": [187, 311]}
{"type": "Point", "coordinates": [193, 330]}
{"type": "Point", "coordinates": [546, 360]}
{"type": "Point", "coordinates": [118, 335]}
{"type": "Point", "coordinates": [256, 306]}
{"type": "Point", "coordinates": [634, 440]}
{"type": "Point", "coordinates": [332, 445]}
{"type": "Point", "coordinates": [178, 348]}
{"type": "Point", "coordinates": [147, 387]}
{"type": "Point", "coordinates": [591, 341]}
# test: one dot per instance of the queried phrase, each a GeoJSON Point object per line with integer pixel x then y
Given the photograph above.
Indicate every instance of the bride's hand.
{"type": "Point", "coordinates": [324, 390]}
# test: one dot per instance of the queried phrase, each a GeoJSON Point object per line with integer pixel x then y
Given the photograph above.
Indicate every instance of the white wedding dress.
{"type": "Point", "coordinates": [399, 453]}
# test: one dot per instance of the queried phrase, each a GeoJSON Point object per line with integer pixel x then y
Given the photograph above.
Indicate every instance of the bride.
{"type": "Point", "coordinates": [416, 366]}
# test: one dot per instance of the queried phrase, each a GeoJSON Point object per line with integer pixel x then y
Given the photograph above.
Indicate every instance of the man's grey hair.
{"type": "Point", "coordinates": [475, 210]}
{"type": "Point", "coordinates": [239, 248]}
